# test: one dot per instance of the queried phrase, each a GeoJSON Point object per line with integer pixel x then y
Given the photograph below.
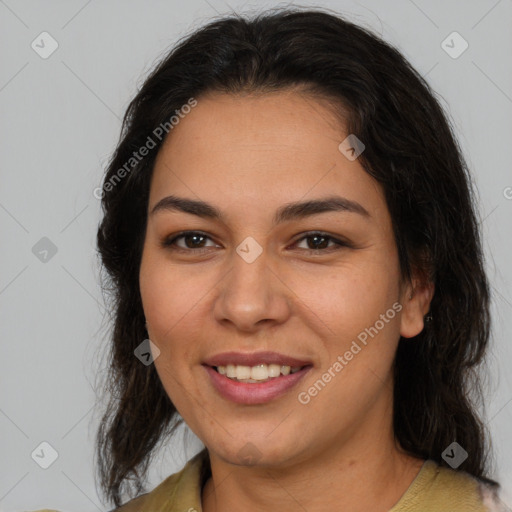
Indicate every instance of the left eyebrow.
{"type": "Point", "coordinates": [300, 210]}
{"type": "Point", "coordinates": [290, 211]}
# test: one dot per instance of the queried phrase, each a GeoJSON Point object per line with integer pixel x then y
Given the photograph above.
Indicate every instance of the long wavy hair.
{"type": "Point", "coordinates": [410, 150]}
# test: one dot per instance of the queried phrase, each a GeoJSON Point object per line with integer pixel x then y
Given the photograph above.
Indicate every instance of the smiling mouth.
{"type": "Point", "coordinates": [256, 374]}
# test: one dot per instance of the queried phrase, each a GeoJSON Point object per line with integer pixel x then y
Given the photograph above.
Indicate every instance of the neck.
{"type": "Point", "coordinates": [360, 476]}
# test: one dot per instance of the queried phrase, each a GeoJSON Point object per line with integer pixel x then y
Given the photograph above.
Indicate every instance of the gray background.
{"type": "Point", "coordinates": [60, 120]}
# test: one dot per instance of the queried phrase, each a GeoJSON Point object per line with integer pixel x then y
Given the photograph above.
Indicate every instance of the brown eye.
{"type": "Point", "coordinates": [193, 240]}
{"type": "Point", "coordinates": [320, 242]}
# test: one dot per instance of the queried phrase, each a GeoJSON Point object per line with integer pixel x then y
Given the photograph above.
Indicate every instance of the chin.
{"type": "Point", "coordinates": [256, 452]}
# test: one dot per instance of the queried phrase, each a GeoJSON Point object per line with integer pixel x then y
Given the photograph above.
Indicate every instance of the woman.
{"type": "Point", "coordinates": [289, 219]}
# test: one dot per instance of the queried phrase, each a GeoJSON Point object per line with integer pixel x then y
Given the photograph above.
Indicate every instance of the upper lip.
{"type": "Point", "coordinates": [254, 359]}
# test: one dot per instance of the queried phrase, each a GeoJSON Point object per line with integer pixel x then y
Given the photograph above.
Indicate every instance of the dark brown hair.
{"type": "Point", "coordinates": [410, 150]}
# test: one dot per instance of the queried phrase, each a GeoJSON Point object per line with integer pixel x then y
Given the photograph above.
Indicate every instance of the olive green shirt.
{"type": "Point", "coordinates": [435, 489]}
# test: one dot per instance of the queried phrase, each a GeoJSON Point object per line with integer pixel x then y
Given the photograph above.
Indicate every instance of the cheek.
{"type": "Point", "coordinates": [361, 310]}
{"type": "Point", "coordinates": [174, 302]}
{"type": "Point", "coordinates": [168, 296]}
{"type": "Point", "coordinates": [349, 298]}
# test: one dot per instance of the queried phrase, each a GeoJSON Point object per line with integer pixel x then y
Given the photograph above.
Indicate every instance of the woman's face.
{"type": "Point", "coordinates": [252, 282]}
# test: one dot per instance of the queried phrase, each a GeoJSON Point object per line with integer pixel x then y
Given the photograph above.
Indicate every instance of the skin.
{"type": "Point", "coordinates": [248, 155]}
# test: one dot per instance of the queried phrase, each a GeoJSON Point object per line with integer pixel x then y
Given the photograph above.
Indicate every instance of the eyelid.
{"type": "Point", "coordinates": [334, 238]}
{"type": "Point", "coordinates": [168, 242]}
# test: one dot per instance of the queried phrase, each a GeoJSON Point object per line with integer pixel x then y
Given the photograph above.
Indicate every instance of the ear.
{"type": "Point", "coordinates": [415, 299]}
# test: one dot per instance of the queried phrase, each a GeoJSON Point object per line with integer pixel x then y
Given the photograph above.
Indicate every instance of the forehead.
{"type": "Point", "coordinates": [259, 150]}
{"type": "Point", "coordinates": [277, 118]}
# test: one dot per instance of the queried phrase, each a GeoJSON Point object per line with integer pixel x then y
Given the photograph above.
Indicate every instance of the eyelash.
{"type": "Point", "coordinates": [169, 243]}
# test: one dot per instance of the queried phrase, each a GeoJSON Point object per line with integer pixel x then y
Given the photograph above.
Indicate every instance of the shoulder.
{"type": "Point", "coordinates": [491, 499]}
{"type": "Point", "coordinates": [437, 489]}
{"type": "Point", "coordinates": [180, 491]}
{"type": "Point", "coordinates": [472, 491]}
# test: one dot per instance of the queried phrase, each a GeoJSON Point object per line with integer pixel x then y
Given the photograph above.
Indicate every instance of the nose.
{"type": "Point", "coordinates": [252, 295]}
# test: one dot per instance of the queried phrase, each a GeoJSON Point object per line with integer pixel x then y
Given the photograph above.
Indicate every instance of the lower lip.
{"type": "Point", "coordinates": [246, 393]}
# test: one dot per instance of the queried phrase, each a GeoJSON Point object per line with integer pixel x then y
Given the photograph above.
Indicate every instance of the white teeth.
{"type": "Point", "coordinates": [274, 370]}
{"type": "Point", "coordinates": [243, 372]}
{"type": "Point", "coordinates": [258, 373]}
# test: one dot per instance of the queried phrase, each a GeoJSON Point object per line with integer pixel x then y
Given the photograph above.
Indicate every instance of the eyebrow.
{"type": "Point", "coordinates": [290, 211]}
